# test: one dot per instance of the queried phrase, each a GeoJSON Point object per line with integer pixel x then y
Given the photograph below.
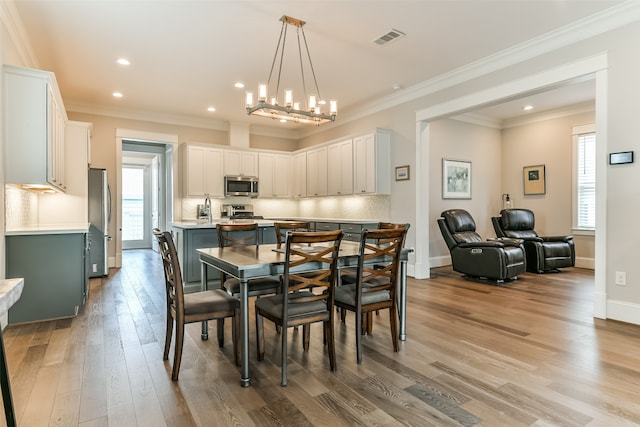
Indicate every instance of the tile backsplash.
{"type": "Point", "coordinates": [21, 207]}
{"type": "Point", "coordinates": [376, 208]}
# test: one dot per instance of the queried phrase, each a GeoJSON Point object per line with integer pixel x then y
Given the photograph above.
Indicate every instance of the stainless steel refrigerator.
{"type": "Point", "coordinates": [99, 217]}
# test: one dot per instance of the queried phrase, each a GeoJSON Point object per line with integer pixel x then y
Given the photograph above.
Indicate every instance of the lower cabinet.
{"type": "Point", "coordinates": [55, 276]}
{"type": "Point", "coordinates": [189, 240]}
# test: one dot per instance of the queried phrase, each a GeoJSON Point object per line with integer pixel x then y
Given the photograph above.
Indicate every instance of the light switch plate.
{"type": "Point", "coordinates": [621, 278]}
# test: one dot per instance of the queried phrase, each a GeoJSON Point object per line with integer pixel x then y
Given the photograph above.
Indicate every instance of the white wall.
{"type": "Point", "coordinates": [481, 146]}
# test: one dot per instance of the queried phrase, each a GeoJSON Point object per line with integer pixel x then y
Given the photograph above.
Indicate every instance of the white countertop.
{"type": "Point", "coordinates": [264, 222]}
{"type": "Point", "coordinates": [10, 291]}
{"type": "Point", "coordinates": [47, 229]}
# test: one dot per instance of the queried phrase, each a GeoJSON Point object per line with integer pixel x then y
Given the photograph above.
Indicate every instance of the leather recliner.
{"type": "Point", "coordinates": [497, 260]}
{"type": "Point", "coordinates": [544, 253]}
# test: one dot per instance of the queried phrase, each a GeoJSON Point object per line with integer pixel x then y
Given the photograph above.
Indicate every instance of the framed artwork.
{"type": "Point", "coordinates": [456, 179]}
{"type": "Point", "coordinates": [534, 180]}
{"type": "Point", "coordinates": [402, 173]}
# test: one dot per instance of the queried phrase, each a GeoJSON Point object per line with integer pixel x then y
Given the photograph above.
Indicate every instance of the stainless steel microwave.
{"type": "Point", "coordinates": [241, 186]}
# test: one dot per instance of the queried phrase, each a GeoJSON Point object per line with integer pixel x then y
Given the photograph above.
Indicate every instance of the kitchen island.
{"type": "Point", "coordinates": [189, 236]}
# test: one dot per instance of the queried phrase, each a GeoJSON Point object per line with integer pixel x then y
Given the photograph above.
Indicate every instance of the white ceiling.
{"type": "Point", "coordinates": [186, 55]}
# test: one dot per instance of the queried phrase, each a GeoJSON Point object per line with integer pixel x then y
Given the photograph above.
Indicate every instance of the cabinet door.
{"type": "Point", "coordinates": [240, 163]}
{"type": "Point", "coordinates": [281, 175]}
{"type": "Point", "coordinates": [340, 168]}
{"type": "Point", "coordinates": [194, 171]}
{"type": "Point", "coordinates": [203, 172]}
{"type": "Point", "coordinates": [299, 175]}
{"type": "Point", "coordinates": [317, 172]}
{"type": "Point", "coordinates": [372, 164]}
{"type": "Point", "coordinates": [266, 168]}
{"type": "Point", "coordinates": [213, 175]}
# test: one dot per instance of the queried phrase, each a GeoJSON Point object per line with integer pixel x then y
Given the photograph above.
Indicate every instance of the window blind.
{"type": "Point", "coordinates": [586, 180]}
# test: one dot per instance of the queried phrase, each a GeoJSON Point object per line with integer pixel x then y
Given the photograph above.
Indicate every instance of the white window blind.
{"type": "Point", "coordinates": [586, 180]}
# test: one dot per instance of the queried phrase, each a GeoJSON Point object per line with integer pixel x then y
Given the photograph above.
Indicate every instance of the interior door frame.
{"type": "Point", "coordinates": [170, 142]}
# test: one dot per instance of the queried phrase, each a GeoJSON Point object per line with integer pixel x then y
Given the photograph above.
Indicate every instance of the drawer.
{"type": "Point", "coordinates": [357, 228]}
{"type": "Point", "coordinates": [327, 226]}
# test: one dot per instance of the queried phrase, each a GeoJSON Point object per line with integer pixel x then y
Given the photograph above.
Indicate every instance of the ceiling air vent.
{"type": "Point", "coordinates": [388, 37]}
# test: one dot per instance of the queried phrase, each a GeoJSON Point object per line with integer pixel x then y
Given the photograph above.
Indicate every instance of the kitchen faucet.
{"type": "Point", "coordinates": [207, 207]}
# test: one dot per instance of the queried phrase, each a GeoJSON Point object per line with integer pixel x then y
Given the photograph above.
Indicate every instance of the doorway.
{"type": "Point", "coordinates": [142, 193]}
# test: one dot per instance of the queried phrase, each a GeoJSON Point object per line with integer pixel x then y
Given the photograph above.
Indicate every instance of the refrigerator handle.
{"type": "Point", "coordinates": [109, 205]}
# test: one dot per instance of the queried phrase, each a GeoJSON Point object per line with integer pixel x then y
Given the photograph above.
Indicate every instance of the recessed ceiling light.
{"type": "Point", "coordinates": [527, 107]}
{"type": "Point", "coordinates": [123, 61]}
{"type": "Point", "coordinates": [283, 121]}
{"type": "Point", "coordinates": [117, 94]}
{"type": "Point", "coordinates": [211, 109]}
{"type": "Point", "coordinates": [239, 85]}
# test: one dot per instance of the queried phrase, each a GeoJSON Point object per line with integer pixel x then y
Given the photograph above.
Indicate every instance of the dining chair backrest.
{"type": "Point", "coordinates": [320, 248]}
{"type": "Point", "coordinates": [385, 243]}
{"type": "Point", "coordinates": [234, 235]}
{"type": "Point", "coordinates": [172, 273]}
{"type": "Point", "coordinates": [282, 228]}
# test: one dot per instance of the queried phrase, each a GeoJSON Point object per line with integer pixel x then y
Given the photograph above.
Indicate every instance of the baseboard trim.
{"type": "Point", "coordinates": [440, 261]}
{"type": "Point", "coordinates": [623, 311]}
{"type": "Point", "coordinates": [588, 263]}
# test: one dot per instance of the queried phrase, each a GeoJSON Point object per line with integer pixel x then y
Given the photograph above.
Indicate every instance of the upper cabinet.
{"type": "Point", "coordinates": [203, 171]}
{"type": "Point", "coordinates": [240, 163]}
{"type": "Point", "coordinates": [372, 164]}
{"type": "Point", "coordinates": [340, 168]}
{"type": "Point", "coordinates": [274, 175]}
{"type": "Point", "coordinates": [35, 120]}
{"type": "Point", "coordinates": [299, 174]}
{"type": "Point", "coordinates": [317, 172]}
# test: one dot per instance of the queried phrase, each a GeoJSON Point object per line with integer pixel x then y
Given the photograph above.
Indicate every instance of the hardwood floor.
{"type": "Point", "coordinates": [525, 353]}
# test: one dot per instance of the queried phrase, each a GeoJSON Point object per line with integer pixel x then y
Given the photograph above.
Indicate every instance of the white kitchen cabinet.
{"type": "Point", "coordinates": [240, 163]}
{"type": "Point", "coordinates": [35, 119]}
{"type": "Point", "coordinates": [299, 174]}
{"type": "Point", "coordinates": [372, 164]}
{"type": "Point", "coordinates": [317, 172]}
{"type": "Point", "coordinates": [203, 171]}
{"type": "Point", "coordinates": [340, 168]}
{"type": "Point", "coordinates": [274, 174]}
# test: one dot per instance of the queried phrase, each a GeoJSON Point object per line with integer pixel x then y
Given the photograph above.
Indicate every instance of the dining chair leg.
{"type": "Point", "coordinates": [328, 331]}
{"type": "Point", "coordinates": [306, 336]}
{"type": "Point", "coordinates": [167, 339]}
{"type": "Point", "coordinates": [359, 331]}
{"type": "Point", "coordinates": [393, 324]}
{"type": "Point", "coordinates": [283, 363]}
{"type": "Point", "coordinates": [343, 315]}
{"type": "Point", "coordinates": [370, 322]}
{"type": "Point", "coordinates": [177, 353]}
{"type": "Point", "coordinates": [260, 336]}
{"type": "Point", "coordinates": [221, 332]}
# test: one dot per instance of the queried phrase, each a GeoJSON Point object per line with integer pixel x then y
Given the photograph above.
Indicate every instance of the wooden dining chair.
{"type": "Point", "coordinates": [282, 228]}
{"type": "Point", "coordinates": [305, 298]}
{"type": "Point", "coordinates": [191, 307]}
{"type": "Point", "coordinates": [375, 286]}
{"type": "Point", "coordinates": [244, 235]}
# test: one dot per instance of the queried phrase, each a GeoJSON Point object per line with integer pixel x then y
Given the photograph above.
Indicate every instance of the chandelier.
{"type": "Point", "coordinates": [291, 111]}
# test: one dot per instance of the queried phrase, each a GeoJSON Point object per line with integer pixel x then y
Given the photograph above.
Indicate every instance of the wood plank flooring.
{"type": "Point", "coordinates": [525, 353]}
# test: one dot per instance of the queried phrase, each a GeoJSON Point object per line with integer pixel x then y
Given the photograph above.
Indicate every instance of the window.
{"type": "Point", "coordinates": [584, 138]}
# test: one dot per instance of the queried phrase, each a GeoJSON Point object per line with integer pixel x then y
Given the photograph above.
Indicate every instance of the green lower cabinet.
{"type": "Point", "coordinates": [54, 272]}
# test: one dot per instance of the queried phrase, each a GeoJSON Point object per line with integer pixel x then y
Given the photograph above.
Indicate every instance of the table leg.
{"type": "Point", "coordinates": [402, 309]}
{"type": "Point", "coordinates": [6, 386]}
{"type": "Point", "coordinates": [204, 279]}
{"type": "Point", "coordinates": [245, 381]}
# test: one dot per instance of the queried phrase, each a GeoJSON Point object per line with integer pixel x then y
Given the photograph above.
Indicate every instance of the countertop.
{"type": "Point", "coordinates": [10, 291]}
{"type": "Point", "coordinates": [194, 224]}
{"type": "Point", "coordinates": [47, 229]}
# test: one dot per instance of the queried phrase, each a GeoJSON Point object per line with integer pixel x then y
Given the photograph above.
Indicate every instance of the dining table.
{"type": "Point", "coordinates": [252, 262]}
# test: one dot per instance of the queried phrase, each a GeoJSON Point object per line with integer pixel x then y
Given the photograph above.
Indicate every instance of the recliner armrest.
{"type": "Point", "coordinates": [557, 238]}
{"type": "Point", "coordinates": [510, 241]}
{"type": "Point", "coordinates": [494, 243]}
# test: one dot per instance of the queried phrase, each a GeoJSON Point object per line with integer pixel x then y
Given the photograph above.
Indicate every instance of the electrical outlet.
{"type": "Point", "coordinates": [95, 268]}
{"type": "Point", "coordinates": [621, 278]}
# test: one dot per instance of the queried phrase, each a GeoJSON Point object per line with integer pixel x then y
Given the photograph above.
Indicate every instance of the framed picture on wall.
{"type": "Point", "coordinates": [534, 180]}
{"type": "Point", "coordinates": [456, 179]}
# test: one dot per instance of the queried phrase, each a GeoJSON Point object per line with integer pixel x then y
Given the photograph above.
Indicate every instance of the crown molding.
{"type": "Point", "coordinates": [583, 107]}
{"type": "Point", "coordinates": [13, 24]}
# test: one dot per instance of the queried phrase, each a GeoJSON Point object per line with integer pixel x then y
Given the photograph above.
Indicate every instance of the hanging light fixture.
{"type": "Point", "coordinates": [288, 109]}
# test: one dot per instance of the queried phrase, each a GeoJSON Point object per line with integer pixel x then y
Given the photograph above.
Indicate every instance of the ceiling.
{"type": "Point", "coordinates": [186, 55]}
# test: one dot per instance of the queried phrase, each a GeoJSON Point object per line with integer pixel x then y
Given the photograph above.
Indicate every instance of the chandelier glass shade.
{"type": "Point", "coordinates": [286, 109]}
